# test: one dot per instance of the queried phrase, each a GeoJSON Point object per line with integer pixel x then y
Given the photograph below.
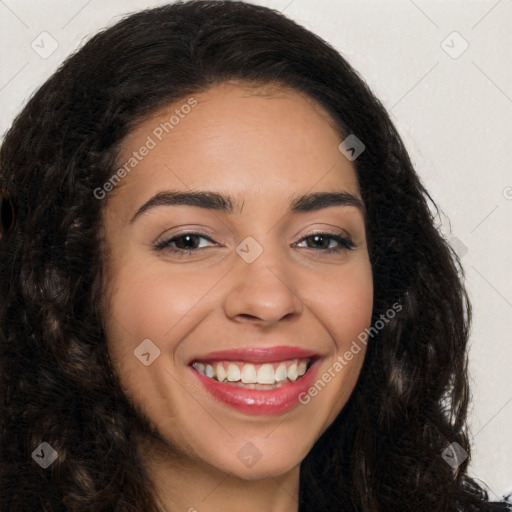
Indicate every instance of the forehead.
{"type": "Point", "coordinates": [259, 142]}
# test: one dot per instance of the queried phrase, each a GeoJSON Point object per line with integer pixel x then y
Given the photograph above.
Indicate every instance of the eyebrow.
{"type": "Point", "coordinates": [228, 204]}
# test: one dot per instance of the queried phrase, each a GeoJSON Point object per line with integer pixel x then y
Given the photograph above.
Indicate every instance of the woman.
{"type": "Point", "coordinates": [257, 370]}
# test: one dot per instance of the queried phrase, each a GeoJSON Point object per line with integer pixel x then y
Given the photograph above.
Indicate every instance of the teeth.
{"type": "Point", "coordinates": [253, 375]}
{"type": "Point", "coordinates": [292, 372]}
{"type": "Point", "coordinates": [233, 372]}
{"type": "Point", "coordinates": [266, 374]}
{"type": "Point", "coordinates": [221, 373]}
{"type": "Point", "coordinates": [249, 374]}
{"type": "Point", "coordinates": [281, 372]}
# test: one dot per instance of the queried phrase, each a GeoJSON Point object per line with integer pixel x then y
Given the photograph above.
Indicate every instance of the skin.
{"type": "Point", "coordinates": [263, 146]}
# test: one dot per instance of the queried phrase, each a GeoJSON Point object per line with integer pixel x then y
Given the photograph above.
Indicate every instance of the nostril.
{"type": "Point", "coordinates": [246, 317]}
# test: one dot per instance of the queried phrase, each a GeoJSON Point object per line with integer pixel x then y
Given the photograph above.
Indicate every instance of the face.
{"type": "Point", "coordinates": [229, 320]}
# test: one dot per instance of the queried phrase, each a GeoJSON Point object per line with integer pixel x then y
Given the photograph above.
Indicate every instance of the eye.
{"type": "Point", "coordinates": [185, 243]}
{"type": "Point", "coordinates": [324, 240]}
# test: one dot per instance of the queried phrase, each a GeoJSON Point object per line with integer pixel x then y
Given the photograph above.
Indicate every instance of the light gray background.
{"type": "Point", "coordinates": [452, 107]}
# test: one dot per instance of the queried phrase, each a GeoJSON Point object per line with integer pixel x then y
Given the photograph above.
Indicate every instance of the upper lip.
{"type": "Point", "coordinates": [258, 355]}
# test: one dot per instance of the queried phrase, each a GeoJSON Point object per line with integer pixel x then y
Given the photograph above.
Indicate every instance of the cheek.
{"type": "Point", "coordinates": [149, 300]}
{"type": "Point", "coordinates": [342, 301]}
{"type": "Point", "coordinates": [342, 304]}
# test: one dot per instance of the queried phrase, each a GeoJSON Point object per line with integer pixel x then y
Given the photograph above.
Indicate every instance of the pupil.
{"type": "Point", "coordinates": [317, 237]}
{"type": "Point", "coordinates": [189, 238]}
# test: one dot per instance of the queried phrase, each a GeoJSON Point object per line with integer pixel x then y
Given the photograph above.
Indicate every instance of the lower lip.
{"type": "Point", "coordinates": [260, 402]}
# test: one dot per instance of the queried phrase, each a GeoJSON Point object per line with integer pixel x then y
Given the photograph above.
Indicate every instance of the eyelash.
{"type": "Point", "coordinates": [344, 243]}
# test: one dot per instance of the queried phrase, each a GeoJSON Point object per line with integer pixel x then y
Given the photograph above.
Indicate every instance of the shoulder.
{"type": "Point", "coordinates": [503, 502]}
{"type": "Point", "coordinates": [494, 502]}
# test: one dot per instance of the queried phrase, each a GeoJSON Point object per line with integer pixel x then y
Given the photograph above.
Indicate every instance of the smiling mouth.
{"type": "Point", "coordinates": [265, 376]}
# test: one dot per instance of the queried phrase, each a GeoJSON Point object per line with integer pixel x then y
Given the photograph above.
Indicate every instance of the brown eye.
{"type": "Point", "coordinates": [322, 242]}
{"type": "Point", "coordinates": [185, 243]}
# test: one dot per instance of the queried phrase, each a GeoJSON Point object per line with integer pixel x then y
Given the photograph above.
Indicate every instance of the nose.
{"type": "Point", "coordinates": [262, 292]}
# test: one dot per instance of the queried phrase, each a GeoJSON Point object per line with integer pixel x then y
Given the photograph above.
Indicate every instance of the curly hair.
{"type": "Point", "coordinates": [383, 452]}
